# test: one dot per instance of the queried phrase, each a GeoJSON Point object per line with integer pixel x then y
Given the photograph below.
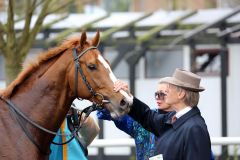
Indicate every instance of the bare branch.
{"type": "Point", "coordinates": [19, 19]}
{"type": "Point", "coordinates": [60, 7]}
{"type": "Point", "coordinates": [36, 28]}
{"type": "Point", "coordinates": [54, 2]}
{"type": "Point", "coordinates": [2, 28]}
{"type": "Point", "coordinates": [11, 40]}
{"type": "Point", "coordinates": [28, 17]}
{"type": "Point", "coordinates": [48, 25]}
{"type": "Point", "coordinates": [2, 41]}
{"type": "Point", "coordinates": [39, 3]}
{"type": "Point", "coordinates": [2, 44]}
{"type": "Point", "coordinates": [39, 23]}
{"type": "Point", "coordinates": [41, 16]}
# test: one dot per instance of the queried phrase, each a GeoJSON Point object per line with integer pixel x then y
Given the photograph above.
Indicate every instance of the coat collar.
{"type": "Point", "coordinates": [183, 118]}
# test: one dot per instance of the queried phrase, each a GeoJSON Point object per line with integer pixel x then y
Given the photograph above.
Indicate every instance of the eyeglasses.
{"type": "Point", "coordinates": [159, 95]}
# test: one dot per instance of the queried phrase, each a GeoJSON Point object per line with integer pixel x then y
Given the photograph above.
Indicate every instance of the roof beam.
{"type": "Point", "coordinates": [65, 33]}
{"type": "Point", "coordinates": [49, 25]}
{"type": "Point", "coordinates": [155, 31]}
{"type": "Point", "coordinates": [202, 28]}
{"type": "Point", "coordinates": [228, 31]}
{"type": "Point", "coordinates": [106, 34]}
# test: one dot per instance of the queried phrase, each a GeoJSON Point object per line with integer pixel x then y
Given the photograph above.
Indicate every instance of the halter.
{"type": "Point", "coordinates": [78, 68]}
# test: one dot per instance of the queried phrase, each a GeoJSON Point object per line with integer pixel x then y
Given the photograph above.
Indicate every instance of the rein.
{"type": "Point", "coordinates": [95, 106]}
{"type": "Point", "coordinates": [18, 113]}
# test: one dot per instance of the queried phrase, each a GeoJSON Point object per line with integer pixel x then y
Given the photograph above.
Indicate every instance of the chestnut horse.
{"type": "Point", "coordinates": [44, 92]}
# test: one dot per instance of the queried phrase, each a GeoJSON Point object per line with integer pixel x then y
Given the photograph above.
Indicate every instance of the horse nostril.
{"type": "Point", "coordinates": [123, 102]}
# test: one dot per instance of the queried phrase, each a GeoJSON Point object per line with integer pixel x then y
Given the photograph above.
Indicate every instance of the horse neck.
{"type": "Point", "coordinates": [45, 99]}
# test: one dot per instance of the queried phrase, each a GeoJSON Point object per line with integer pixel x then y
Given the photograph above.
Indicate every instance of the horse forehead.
{"type": "Point", "coordinates": [106, 65]}
{"type": "Point", "coordinates": [104, 62]}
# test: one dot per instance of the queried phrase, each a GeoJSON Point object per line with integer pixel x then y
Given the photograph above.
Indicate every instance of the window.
{"type": "Point", "coordinates": [207, 61]}
{"type": "Point", "coordinates": [162, 63]}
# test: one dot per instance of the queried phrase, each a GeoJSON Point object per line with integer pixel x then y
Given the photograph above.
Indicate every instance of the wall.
{"type": "Point", "coordinates": [233, 91]}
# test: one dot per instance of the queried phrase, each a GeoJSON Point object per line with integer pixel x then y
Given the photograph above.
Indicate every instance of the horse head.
{"type": "Point", "coordinates": [90, 77]}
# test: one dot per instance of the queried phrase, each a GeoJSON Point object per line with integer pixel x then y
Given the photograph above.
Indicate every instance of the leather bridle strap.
{"type": "Point", "coordinates": [78, 68]}
{"type": "Point", "coordinates": [18, 113]}
{"type": "Point", "coordinates": [15, 111]}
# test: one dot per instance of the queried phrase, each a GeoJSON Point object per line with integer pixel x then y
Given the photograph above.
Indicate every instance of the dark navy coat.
{"type": "Point", "coordinates": [186, 139]}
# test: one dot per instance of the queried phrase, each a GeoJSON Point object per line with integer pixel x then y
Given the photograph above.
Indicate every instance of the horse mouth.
{"type": "Point", "coordinates": [120, 112]}
{"type": "Point", "coordinates": [117, 109]}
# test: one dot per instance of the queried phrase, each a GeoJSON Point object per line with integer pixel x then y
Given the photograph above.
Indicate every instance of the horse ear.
{"type": "Point", "coordinates": [83, 38]}
{"type": "Point", "coordinates": [96, 39]}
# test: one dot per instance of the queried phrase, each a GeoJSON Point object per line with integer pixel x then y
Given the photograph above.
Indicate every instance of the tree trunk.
{"type": "Point", "coordinates": [13, 65]}
{"type": "Point", "coordinates": [15, 45]}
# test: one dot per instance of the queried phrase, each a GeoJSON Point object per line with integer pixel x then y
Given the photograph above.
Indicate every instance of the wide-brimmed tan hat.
{"type": "Point", "coordinates": [184, 79]}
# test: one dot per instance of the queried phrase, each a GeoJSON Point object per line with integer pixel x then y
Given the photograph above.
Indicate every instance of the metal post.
{"type": "Point", "coordinates": [132, 75]}
{"type": "Point", "coordinates": [101, 135]}
{"type": "Point", "coordinates": [192, 55]}
{"type": "Point", "coordinates": [132, 61]}
{"type": "Point", "coordinates": [123, 49]}
{"type": "Point", "coordinates": [46, 34]}
{"type": "Point", "coordinates": [224, 67]}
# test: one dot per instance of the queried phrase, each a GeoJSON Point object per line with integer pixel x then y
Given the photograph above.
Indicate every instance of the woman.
{"type": "Point", "coordinates": [182, 135]}
{"type": "Point", "coordinates": [144, 140]}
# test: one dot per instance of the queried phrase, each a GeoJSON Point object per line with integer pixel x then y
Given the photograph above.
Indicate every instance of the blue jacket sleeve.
{"type": "Point", "coordinates": [124, 123]}
{"type": "Point", "coordinates": [103, 114]}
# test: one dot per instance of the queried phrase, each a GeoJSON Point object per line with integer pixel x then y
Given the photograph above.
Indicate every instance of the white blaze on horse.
{"type": "Point", "coordinates": [43, 92]}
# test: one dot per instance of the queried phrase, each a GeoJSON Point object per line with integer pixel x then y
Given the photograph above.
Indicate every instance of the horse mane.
{"type": "Point", "coordinates": [42, 58]}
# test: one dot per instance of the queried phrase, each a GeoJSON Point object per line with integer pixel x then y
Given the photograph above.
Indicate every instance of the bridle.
{"type": "Point", "coordinates": [78, 68]}
{"type": "Point", "coordinates": [95, 106]}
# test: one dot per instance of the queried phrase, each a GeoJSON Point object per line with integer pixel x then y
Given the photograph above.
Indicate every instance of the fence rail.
{"type": "Point", "coordinates": [129, 142]}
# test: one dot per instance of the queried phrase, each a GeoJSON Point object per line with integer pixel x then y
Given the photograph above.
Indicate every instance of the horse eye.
{"type": "Point", "coordinates": [92, 67]}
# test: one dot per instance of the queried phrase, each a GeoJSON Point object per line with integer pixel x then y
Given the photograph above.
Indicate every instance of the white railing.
{"type": "Point", "coordinates": [129, 142]}
{"type": "Point", "coordinates": [225, 140]}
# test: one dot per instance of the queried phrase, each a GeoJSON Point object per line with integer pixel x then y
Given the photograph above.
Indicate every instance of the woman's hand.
{"type": "Point", "coordinates": [118, 85]}
{"type": "Point", "coordinates": [122, 87]}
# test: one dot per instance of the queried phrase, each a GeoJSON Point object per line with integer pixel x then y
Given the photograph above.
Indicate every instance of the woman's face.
{"type": "Point", "coordinates": [160, 97]}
